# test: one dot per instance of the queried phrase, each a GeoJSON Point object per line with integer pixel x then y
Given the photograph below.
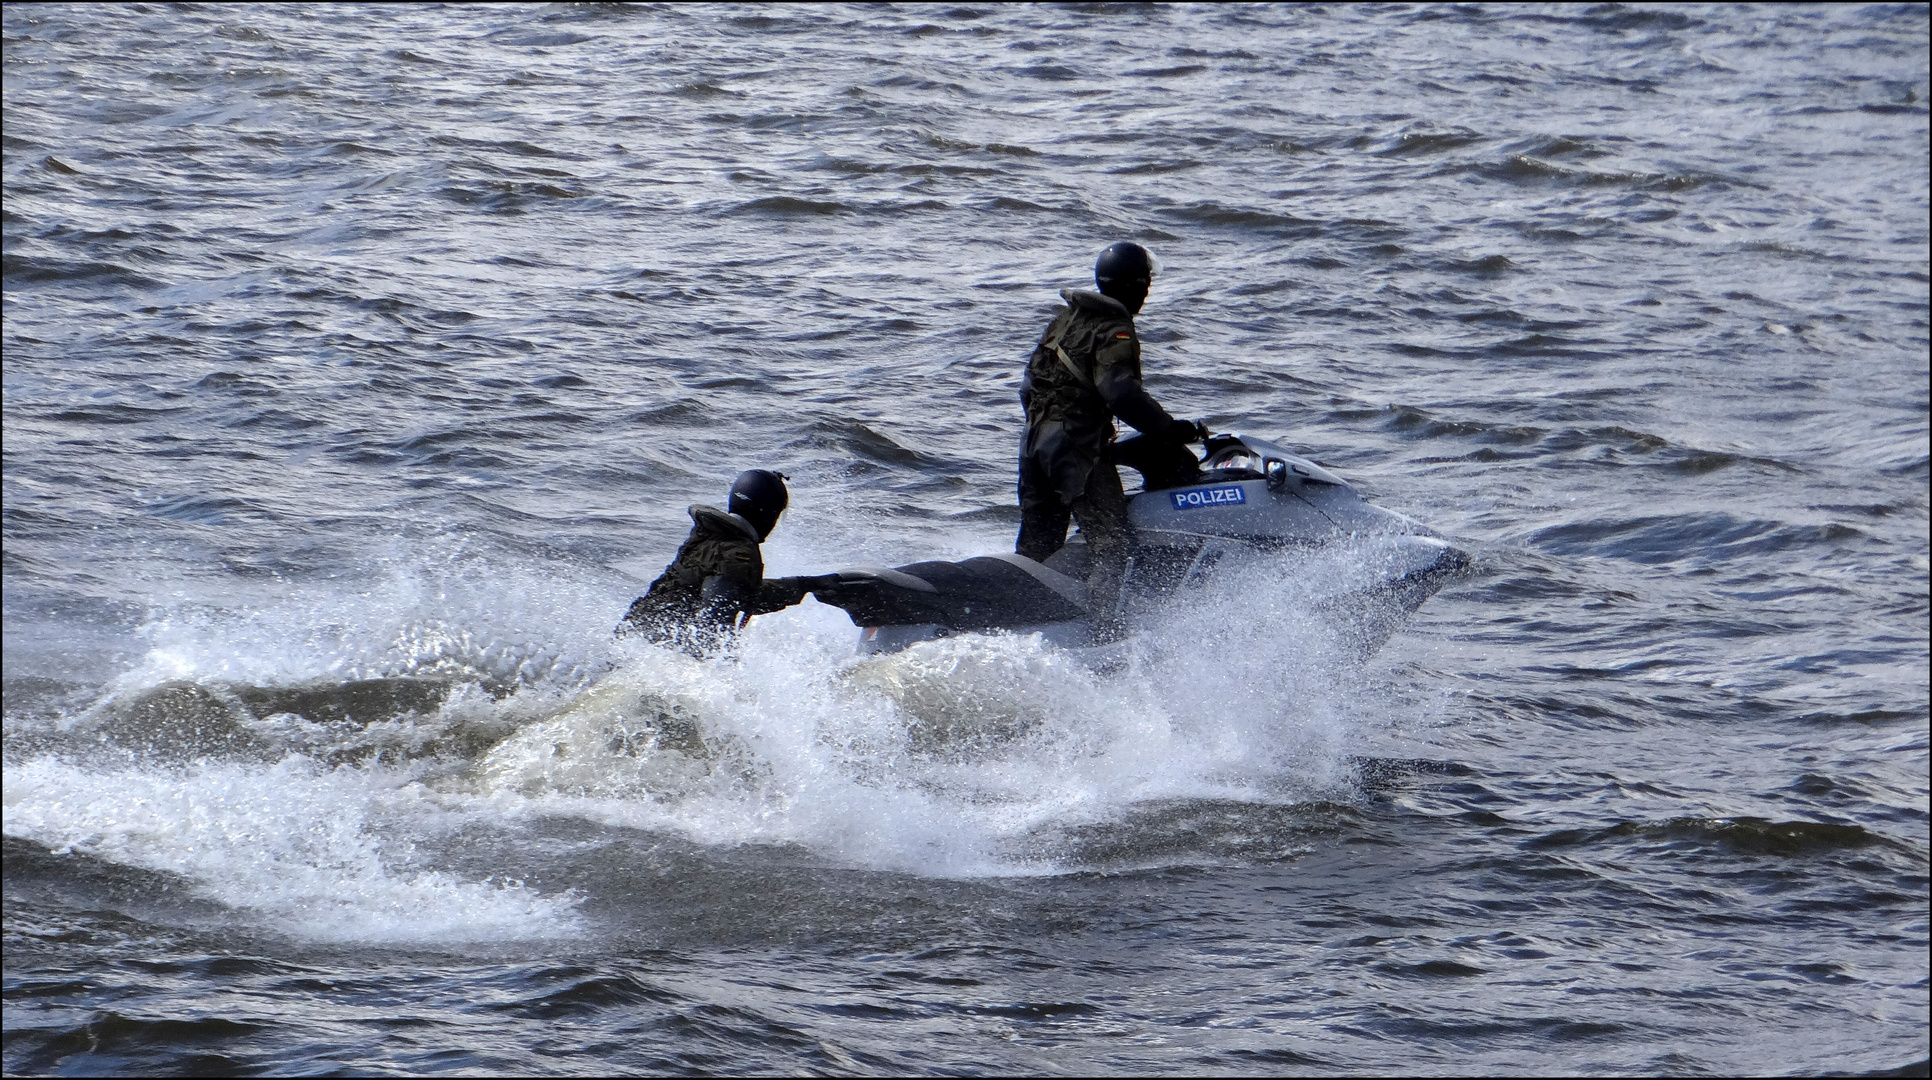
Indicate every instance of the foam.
{"type": "Point", "coordinates": [449, 605]}
{"type": "Point", "coordinates": [957, 758]}
{"type": "Point", "coordinates": [298, 848]}
{"type": "Point", "coordinates": [954, 756]}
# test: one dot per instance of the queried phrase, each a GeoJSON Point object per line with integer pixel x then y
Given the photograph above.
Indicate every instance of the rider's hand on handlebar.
{"type": "Point", "coordinates": [1196, 430]}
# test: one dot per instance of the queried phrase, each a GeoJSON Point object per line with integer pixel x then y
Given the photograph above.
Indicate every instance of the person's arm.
{"type": "Point", "coordinates": [725, 597]}
{"type": "Point", "coordinates": [1117, 378]}
{"type": "Point", "coordinates": [776, 594]}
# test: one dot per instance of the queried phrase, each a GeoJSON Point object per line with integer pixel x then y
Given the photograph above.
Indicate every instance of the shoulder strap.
{"type": "Point", "coordinates": [1052, 342]}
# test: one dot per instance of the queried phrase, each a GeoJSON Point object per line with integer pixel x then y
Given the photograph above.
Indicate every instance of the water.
{"type": "Point", "coordinates": [360, 361]}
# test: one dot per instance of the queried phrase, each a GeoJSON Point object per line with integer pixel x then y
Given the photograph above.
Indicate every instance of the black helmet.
{"type": "Point", "coordinates": [1125, 271]}
{"type": "Point", "coordinates": [758, 496]}
{"type": "Point", "coordinates": [1125, 262]}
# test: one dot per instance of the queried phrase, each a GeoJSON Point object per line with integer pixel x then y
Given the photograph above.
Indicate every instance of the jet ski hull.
{"type": "Point", "coordinates": [1252, 501]}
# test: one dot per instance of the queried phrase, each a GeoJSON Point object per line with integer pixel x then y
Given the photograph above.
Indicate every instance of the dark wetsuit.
{"type": "Point", "coordinates": [1084, 374]}
{"type": "Point", "coordinates": [715, 584]}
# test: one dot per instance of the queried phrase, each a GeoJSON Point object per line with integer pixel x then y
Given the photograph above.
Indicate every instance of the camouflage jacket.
{"type": "Point", "coordinates": [1084, 373]}
{"type": "Point", "coordinates": [716, 583]}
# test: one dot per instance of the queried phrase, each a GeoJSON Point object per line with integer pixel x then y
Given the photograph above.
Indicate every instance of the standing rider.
{"type": "Point", "coordinates": [717, 581]}
{"type": "Point", "coordinates": [1084, 374]}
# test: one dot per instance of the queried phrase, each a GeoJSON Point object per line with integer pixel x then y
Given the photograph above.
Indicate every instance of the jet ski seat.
{"type": "Point", "coordinates": [983, 593]}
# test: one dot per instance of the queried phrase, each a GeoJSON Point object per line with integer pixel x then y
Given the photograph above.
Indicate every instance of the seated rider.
{"type": "Point", "coordinates": [717, 581]}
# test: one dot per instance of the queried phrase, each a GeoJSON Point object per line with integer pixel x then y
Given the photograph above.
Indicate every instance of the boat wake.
{"type": "Point", "coordinates": [331, 808]}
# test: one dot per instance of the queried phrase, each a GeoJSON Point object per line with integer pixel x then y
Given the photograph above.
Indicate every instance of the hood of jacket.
{"type": "Point", "coordinates": [1095, 303]}
{"type": "Point", "coordinates": [719, 524]}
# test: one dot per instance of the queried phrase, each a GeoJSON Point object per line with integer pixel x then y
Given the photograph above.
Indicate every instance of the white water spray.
{"type": "Point", "coordinates": [960, 757]}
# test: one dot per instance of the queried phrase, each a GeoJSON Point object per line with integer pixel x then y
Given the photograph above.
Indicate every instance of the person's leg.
{"type": "Point", "coordinates": [1043, 517]}
{"type": "Point", "coordinates": [1102, 513]}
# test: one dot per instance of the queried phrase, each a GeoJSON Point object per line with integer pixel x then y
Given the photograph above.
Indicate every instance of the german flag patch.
{"type": "Point", "coordinates": [1123, 337]}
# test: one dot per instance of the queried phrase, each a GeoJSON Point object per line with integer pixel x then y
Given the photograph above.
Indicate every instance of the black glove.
{"type": "Point", "coordinates": [1188, 431]}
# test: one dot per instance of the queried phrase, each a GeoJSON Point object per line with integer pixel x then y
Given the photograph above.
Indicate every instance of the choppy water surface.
{"type": "Point", "coordinates": [359, 363]}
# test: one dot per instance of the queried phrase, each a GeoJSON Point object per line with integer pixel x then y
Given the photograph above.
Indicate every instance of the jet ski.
{"type": "Point", "coordinates": [1249, 500]}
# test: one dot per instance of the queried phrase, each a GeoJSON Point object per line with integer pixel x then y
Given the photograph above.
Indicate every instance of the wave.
{"type": "Point", "coordinates": [788, 206]}
{"type": "Point", "coordinates": [207, 510]}
{"type": "Point", "coordinates": [1630, 448]}
{"type": "Point", "coordinates": [1211, 213]}
{"type": "Point", "coordinates": [508, 196]}
{"type": "Point", "coordinates": [1669, 538]}
{"type": "Point", "coordinates": [1524, 169]}
{"type": "Point", "coordinates": [1417, 143]}
{"type": "Point", "coordinates": [1742, 835]}
{"type": "Point", "coordinates": [1049, 72]}
{"type": "Point", "coordinates": [863, 442]}
{"type": "Point", "coordinates": [22, 270]}
{"type": "Point", "coordinates": [113, 414]}
{"type": "Point", "coordinates": [137, 1043]}
{"type": "Point", "coordinates": [517, 147]}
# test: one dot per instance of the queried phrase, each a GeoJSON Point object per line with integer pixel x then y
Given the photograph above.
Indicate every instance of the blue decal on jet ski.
{"type": "Point", "coordinates": [1215, 496]}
